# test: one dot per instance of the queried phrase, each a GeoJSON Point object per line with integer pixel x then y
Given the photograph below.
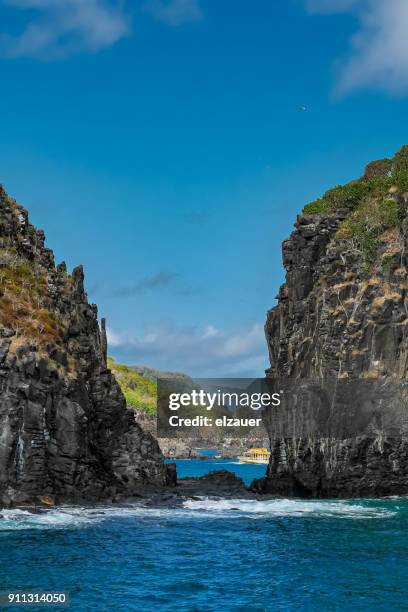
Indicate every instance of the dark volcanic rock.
{"type": "Point", "coordinates": [222, 478]}
{"type": "Point", "coordinates": [65, 431]}
{"type": "Point", "coordinates": [335, 468]}
{"type": "Point", "coordinates": [219, 483]}
{"type": "Point", "coordinates": [171, 479]}
{"type": "Point", "coordinates": [342, 315]}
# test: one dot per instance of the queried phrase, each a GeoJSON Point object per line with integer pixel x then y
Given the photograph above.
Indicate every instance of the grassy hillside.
{"type": "Point", "coordinates": [139, 384]}
{"type": "Point", "coordinates": [140, 392]}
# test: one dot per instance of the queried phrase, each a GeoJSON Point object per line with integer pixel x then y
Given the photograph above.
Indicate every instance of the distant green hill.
{"type": "Point", "coordinates": [153, 374]}
{"type": "Point", "coordinates": [139, 384]}
{"type": "Point", "coordinates": [139, 392]}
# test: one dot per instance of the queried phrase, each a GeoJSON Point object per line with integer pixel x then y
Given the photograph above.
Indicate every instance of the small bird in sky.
{"type": "Point", "coordinates": [303, 109]}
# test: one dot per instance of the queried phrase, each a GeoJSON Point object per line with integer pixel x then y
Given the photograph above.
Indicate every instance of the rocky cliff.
{"type": "Point", "coordinates": [342, 315]}
{"type": "Point", "coordinates": [65, 431]}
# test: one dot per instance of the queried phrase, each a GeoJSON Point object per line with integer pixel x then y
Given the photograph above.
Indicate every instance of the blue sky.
{"type": "Point", "coordinates": [163, 145]}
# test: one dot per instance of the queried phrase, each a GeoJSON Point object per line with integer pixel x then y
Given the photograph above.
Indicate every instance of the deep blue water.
{"type": "Point", "coordinates": [214, 555]}
{"type": "Point", "coordinates": [209, 452]}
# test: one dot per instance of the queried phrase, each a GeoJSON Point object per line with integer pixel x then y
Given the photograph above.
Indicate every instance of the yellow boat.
{"type": "Point", "coordinates": [255, 455]}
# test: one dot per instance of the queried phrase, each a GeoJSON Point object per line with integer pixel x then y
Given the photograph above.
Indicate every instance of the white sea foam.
{"type": "Point", "coordinates": [73, 517]}
{"type": "Point", "coordinates": [70, 517]}
{"type": "Point", "coordinates": [288, 507]}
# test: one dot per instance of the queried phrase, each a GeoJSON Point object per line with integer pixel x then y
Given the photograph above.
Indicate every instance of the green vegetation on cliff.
{"type": "Point", "coordinates": [367, 224]}
{"type": "Point", "coordinates": [379, 177]}
{"type": "Point", "coordinates": [374, 204]}
{"type": "Point", "coordinates": [26, 307]}
{"type": "Point", "coordinates": [23, 297]}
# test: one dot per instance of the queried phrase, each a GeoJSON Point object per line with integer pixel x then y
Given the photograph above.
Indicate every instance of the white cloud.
{"type": "Point", "coordinates": [175, 12]}
{"type": "Point", "coordinates": [210, 331]}
{"type": "Point", "coordinates": [197, 351]}
{"type": "Point", "coordinates": [58, 28]}
{"type": "Point", "coordinates": [114, 339]}
{"type": "Point", "coordinates": [379, 49]}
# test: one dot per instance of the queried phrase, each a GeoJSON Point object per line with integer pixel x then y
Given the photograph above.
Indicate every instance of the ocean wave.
{"type": "Point", "coordinates": [289, 507]}
{"type": "Point", "coordinates": [70, 517]}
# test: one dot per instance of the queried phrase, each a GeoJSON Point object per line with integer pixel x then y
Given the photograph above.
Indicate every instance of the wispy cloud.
{"type": "Point", "coordinates": [164, 278]}
{"type": "Point", "coordinates": [378, 50]}
{"type": "Point", "coordinates": [56, 29]}
{"type": "Point", "coordinates": [175, 12]}
{"type": "Point", "coordinates": [199, 351]}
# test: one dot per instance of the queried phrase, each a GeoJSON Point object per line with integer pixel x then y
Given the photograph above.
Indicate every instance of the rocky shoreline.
{"type": "Point", "coordinates": [217, 486]}
{"type": "Point", "coordinates": [220, 484]}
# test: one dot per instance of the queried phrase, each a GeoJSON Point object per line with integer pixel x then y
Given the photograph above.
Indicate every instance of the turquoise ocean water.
{"type": "Point", "coordinates": [232, 555]}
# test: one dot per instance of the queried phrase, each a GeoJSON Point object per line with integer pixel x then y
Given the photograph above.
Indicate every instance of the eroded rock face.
{"type": "Point", "coordinates": [342, 314]}
{"type": "Point", "coordinates": [65, 431]}
{"type": "Point", "coordinates": [332, 320]}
